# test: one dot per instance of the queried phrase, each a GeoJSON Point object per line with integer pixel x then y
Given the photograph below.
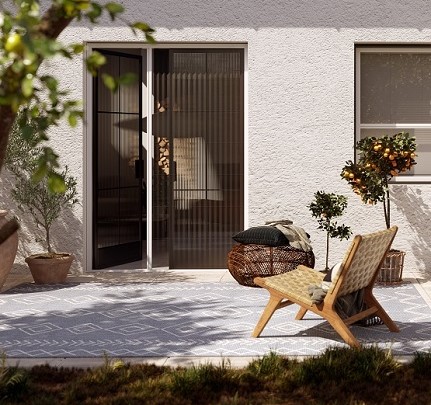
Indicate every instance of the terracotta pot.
{"type": "Point", "coordinates": [8, 251]}
{"type": "Point", "coordinates": [49, 270]}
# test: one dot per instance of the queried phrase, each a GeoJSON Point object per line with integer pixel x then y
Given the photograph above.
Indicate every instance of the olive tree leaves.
{"type": "Point", "coordinates": [27, 38]}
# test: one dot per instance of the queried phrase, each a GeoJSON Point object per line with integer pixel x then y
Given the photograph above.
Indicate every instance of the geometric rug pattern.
{"type": "Point", "coordinates": [185, 319]}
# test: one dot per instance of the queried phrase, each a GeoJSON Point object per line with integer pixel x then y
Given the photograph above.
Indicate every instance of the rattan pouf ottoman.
{"type": "Point", "coordinates": [245, 262]}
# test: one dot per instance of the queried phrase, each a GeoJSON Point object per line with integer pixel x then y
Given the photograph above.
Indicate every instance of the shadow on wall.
{"type": "Point", "coordinates": [417, 212]}
{"type": "Point", "coordinates": [337, 14]}
{"type": "Point", "coordinates": [66, 232]}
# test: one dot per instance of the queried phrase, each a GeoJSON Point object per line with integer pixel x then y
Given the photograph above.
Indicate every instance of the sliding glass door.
{"type": "Point", "coordinates": [195, 151]}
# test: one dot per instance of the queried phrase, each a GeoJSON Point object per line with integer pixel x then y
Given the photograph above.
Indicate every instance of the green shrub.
{"type": "Point", "coordinates": [204, 381]}
{"type": "Point", "coordinates": [421, 364]}
{"type": "Point", "coordinates": [346, 365]}
{"type": "Point", "coordinates": [13, 381]}
{"type": "Point", "coordinates": [269, 366]}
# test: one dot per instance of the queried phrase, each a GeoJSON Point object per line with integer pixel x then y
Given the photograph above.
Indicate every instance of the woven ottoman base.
{"type": "Point", "coordinates": [245, 262]}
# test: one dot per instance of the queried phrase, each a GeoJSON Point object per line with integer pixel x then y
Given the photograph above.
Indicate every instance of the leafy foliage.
{"type": "Point", "coordinates": [206, 380]}
{"type": "Point", "coordinates": [421, 364]}
{"type": "Point", "coordinates": [12, 381]}
{"type": "Point", "coordinates": [27, 38]}
{"type": "Point", "coordinates": [37, 197]}
{"type": "Point", "coordinates": [339, 376]}
{"type": "Point", "coordinates": [380, 159]}
{"type": "Point", "coordinates": [348, 365]}
{"type": "Point", "coordinates": [326, 207]}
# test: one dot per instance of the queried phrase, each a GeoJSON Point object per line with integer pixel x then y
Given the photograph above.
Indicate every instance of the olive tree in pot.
{"type": "Point", "coordinates": [36, 199]}
{"type": "Point", "coordinates": [326, 207]}
{"type": "Point", "coordinates": [379, 160]}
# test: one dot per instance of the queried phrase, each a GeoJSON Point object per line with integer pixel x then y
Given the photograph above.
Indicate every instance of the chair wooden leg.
{"type": "Point", "coordinates": [371, 301]}
{"type": "Point", "coordinates": [342, 329]}
{"type": "Point", "coordinates": [302, 311]}
{"type": "Point", "coordinates": [270, 308]}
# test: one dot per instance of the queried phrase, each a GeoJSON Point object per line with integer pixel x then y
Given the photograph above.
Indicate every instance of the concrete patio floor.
{"type": "Point", "coordinates": [20, 276]}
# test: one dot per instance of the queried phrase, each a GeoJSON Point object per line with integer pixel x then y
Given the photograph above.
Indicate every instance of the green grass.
{"type": "Point", "coordinates": [338, 376]}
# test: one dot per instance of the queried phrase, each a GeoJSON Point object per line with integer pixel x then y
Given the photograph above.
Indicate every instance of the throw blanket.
{"type": "Point", "coordinates": [346, 306]}
{"type": "Point", "coordinates": [296, 236]}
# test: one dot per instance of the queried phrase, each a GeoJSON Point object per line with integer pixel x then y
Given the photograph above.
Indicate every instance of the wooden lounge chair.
{"type": "Point", "coordinates": [359, 269]}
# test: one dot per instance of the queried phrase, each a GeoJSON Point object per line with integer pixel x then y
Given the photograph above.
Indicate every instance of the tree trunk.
{"type": "Point", "coordinates": [7, 117]}
{"type": "Point", "coordinates": [327, 251]}
{"type": "Point", "coordinates": [387, 207]}
{"type": "Point", "coordinates": [52, 24]}
{"type": "Point", "coordinates": [48, 240]}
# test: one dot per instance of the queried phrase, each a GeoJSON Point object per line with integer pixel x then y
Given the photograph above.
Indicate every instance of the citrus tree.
{"type": "Point", "coordinates": [380, 159]}
{"type": "Point", "coordinates": [326, 207]}
{"type": "Point", "coordinates": [27, 38]}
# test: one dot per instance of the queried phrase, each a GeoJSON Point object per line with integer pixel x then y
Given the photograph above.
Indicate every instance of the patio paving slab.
{"type": "Point", "coordinates": [180, 322]}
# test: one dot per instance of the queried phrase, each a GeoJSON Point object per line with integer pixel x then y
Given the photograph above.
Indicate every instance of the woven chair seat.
{"type": "Point", "coordinates": [296, 283]}
{"type": "Point", "coordinates": [245, 262]}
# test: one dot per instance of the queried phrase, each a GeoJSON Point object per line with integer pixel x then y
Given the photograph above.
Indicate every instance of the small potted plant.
{"type": "Point", "coordinates": [44, 206]}
{"type": "Point", "coordinates": [326, 207]}
{"type": "Point", "coordinates": [381, 159]}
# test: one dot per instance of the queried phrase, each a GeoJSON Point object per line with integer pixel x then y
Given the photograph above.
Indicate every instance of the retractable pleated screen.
{"type": "Point", "coordinates": [198, 175]}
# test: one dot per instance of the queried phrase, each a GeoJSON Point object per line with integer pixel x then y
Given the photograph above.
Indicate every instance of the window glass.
{"type": "Point", "coordinates": [394, 96]}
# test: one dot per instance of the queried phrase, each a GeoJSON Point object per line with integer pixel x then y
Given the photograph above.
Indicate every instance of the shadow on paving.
{"type": "Point", "coordinates": [86, 320]}
{"type": "Point", "coordinates": [184, 319]}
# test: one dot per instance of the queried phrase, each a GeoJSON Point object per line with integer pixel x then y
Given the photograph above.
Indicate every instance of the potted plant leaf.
{"type": "Point", "coordinates": [379, 160]}
{"type": "Point", "coordinates": [36, 199]}
{"type": "Point", "coordinates": [326, 207]}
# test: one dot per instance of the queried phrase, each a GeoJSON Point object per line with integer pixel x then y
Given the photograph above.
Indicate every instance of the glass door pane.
{"type": "Point", "coordinates": [117, 172]}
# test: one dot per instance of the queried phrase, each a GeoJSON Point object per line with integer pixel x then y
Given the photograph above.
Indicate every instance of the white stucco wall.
{"type": "Point", "coordinates": [300, 103]}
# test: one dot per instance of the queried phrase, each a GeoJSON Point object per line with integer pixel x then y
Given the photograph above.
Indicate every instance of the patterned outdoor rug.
{"type": "Point", "coordinates": [184, 319]}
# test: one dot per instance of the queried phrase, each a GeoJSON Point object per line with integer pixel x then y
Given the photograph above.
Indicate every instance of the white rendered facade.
{"type": "Point", "coordinates": [299, 107]}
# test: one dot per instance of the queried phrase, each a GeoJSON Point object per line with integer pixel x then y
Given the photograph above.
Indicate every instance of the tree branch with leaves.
{"type": "Point", "coordinates": [27, 39]}
{"type": "Point", "coordinates": [380, 159]}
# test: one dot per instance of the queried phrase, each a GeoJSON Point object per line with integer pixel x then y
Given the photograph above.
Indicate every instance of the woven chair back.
{"type": "Point", "coordinates": [365, 262]}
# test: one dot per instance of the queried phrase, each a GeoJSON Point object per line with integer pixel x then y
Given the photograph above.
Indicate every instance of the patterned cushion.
{"type": "Point", "coordinates": [262, 235]}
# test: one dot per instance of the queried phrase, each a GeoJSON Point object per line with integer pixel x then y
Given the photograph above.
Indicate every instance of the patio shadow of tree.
{"type": "Point", "coordinates": [413, 206]}
{"type": "Point", "coordinates": [177, 319]}
{"type": "Point", "coordinates": [130, 323]}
